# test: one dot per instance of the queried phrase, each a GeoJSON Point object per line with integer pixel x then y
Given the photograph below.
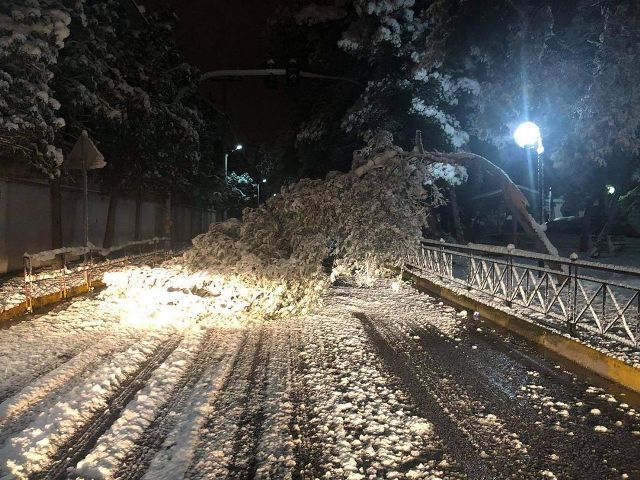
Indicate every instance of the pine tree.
{"type": "Point", "coordinates": [32, 33]}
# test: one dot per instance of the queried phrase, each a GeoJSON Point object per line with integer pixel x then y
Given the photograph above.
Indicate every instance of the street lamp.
{"type": "Point", "coordinates": [528, 136]}
{"type": "Point", "coordinates": [264, 180]}
{"type": "Point", "coordinates": [226, 159]}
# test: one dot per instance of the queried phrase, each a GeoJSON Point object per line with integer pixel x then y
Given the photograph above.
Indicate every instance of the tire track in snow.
{"type": "Point", "coordinates": [53, 339]}
{"type": "Point", "coordinates": [16, 411]}
{"type": "Point", "coordinates": [137, 460]}
{"type": "Point", "coordinates": [243, 463]}
{"type": "Point", "coordinates": [177, 453]}
{"type": "Point", "coordinates": [543, 421]}
{"type": "Point", "coordinates": [451, 410]}
{"type": "Point", "coordinates": [272, 455]}
{"type": "Point", "coordinates": [218, 446]}
{"type": "Point", "coordinates": [84, 439]}
{"type": "Point", "coordinates": [307, 452]}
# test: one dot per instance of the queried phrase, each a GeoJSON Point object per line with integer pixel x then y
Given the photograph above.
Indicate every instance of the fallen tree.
{"type": "Point", "coordinates": [355, 224]}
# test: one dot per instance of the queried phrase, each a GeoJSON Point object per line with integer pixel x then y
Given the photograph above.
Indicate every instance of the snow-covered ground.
{"type": "Point", "coordinates": [380, 382]}
{"type": "Point", "coordinates": [12, 286]}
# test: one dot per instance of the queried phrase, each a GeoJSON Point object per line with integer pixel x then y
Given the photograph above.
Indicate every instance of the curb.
{"type": "Point", "coordinates": [39, 303]}
{"type": "Point", "coordinates": [589, 358]}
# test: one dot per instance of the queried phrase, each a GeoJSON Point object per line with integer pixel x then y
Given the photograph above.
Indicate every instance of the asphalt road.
{"type": "Point", "coordinates": [381, 382]}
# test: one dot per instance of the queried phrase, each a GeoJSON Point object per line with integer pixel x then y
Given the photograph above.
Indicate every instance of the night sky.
{"type": "Point", "coordinates": [231, 34]}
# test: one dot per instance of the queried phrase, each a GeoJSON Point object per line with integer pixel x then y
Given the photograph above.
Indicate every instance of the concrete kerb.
{"type": "Point", "coordinates": [39, 303]}
{"type": "Point", "coordinates": [589, 358]}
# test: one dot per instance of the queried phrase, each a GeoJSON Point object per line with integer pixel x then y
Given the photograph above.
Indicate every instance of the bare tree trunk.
{"type": "Point", "coordinates": [455, 214]}
{"type": "Point", "coordinates": [168, 223]}
{"type": "Point", "coordinates": [56, 214]}
{"type": "Point", "coordinates": [585, 233]}
{"type": "Point", "coordinates": [612, 212]}
{"type": "Point", "coordinates": [432, 223]}
{"type": "Point", "coordinates": [137, 226]}
{"type": "Point", "coordinates": [109, 231]}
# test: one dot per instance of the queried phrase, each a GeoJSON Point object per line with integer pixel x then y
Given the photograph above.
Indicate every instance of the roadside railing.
{"type": "Point", "coordinates": [61, 270]}
{"type": "Point", "coordinates": [565, 293]}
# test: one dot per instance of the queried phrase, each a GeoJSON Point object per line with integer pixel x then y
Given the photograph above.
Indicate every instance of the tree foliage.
{"type": "Point", "coordinates": [466, 73]}
{"type": "Point", "coordinates": [32, 34]}
{"type": "Point", "coordinates": [104, 67]}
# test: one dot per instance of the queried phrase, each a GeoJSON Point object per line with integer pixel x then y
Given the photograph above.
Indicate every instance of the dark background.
{"type": "Point", "coordinates": [232, 34]}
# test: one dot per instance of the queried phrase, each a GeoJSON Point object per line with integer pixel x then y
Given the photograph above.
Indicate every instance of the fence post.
{"type": "Point", "coordinates": [442, 259]}
{"type": "Point", "coordinates": [27, 283]}
{"type": "Point", "coordinates": [88, 259]}
{"type": "Point", "coordinates": [573, 295]}
{"type": "Point", "coordinates": [64, 278]}
{"type": "Point", "coordinates": [469, 269]}
{"type": "Point", "coordinates": [509, 280]}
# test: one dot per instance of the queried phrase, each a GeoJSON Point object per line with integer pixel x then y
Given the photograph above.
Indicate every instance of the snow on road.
{"type": "Point", "coordinates": [380, 382]}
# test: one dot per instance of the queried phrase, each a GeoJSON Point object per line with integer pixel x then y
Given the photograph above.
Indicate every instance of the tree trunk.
{"type": "Point", "coordinates": [137, 226]}
{"type": "Point", "coordinates": [56, 214]}
{"type": "Point", "coordinates": [613, 214]}
{"type": "Point", "coordinates": [109, 231]}
{"type": "Point", "coordinates": [585, 233]}
{"type": "Point", "coordinates": [455, 214]}
{"type": "Point", "coordinates": [433, 224]}
{"type": "Point", "coordinates": [168, 223]}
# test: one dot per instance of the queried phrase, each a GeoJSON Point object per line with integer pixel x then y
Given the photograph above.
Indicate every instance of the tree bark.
{"type": "Point", "coordinates": [613, 214]}
{"type": "Point", "coordinates": [433, 224]}
{"type": "Point", "coordinates": [585, 233]}
{"type": "Point", "coordinates": [168, 223]}
{"type": "Point", "coordinates": [455, 214]}
{"type": "Point", "coordinates": [56, 214]}
{"type": "Point", "coordinates": [110, 228]}
{"type": "Point", "coordinates": [137, 226]}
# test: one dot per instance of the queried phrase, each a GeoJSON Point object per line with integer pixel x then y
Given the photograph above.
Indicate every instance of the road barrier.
{"type": "Point", "coordinates": [66, 272]}
{"type": "Point", "coordinates": [566, 293]}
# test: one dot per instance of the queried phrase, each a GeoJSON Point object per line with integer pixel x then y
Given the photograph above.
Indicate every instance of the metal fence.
{"type": "Point", "coordinates": [61, 270]}
{"type": "Point", "coordinates": [566, 293]}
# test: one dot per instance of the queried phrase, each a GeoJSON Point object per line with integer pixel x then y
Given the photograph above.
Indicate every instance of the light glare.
{"type": "Point", "coordinates": [528, 135]}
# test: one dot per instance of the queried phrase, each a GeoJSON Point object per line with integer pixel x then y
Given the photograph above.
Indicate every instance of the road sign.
{"type": "Point", "coordinates": [85, 156]}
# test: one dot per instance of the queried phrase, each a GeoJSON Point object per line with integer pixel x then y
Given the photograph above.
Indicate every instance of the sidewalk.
{"type": "Point", "coordinates": [13, 298]}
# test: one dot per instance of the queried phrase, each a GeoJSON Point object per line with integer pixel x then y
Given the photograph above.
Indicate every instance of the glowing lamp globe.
{"type": "Point", "coordinates": [238, 147]}
{"type": "Point", "coordinates": [611, 189]}
{"type": "Point", "coordinates": [527, 135]}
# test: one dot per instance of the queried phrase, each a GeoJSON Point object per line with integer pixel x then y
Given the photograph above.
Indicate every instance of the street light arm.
{"type": "Point", "coordinates": [261, 72]}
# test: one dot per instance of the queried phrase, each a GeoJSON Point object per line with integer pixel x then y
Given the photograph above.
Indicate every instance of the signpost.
{"type": "Point", "coordinates": [85, 156]}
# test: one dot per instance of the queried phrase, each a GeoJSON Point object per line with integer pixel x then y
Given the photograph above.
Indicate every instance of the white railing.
{"type": "Point", "coordinates": [60, 270]}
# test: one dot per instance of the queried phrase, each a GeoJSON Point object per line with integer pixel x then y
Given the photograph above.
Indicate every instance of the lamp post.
{"type": "Point", "coordinates": [264, 180]}
{"type": "Point", "coordinates": [226, 159]}
{"type": "Point", "coordinates": [527, 136]}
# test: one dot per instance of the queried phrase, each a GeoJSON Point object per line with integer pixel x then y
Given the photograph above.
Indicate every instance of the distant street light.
{"type": "Point", "coordinates": [264, 180]}
{"type": "Point", "coordinates": [528, 136]}
{"type": "Point", "coordinates": [226, 159]}
{"type": "Point", "coordinates": [611, 189]}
